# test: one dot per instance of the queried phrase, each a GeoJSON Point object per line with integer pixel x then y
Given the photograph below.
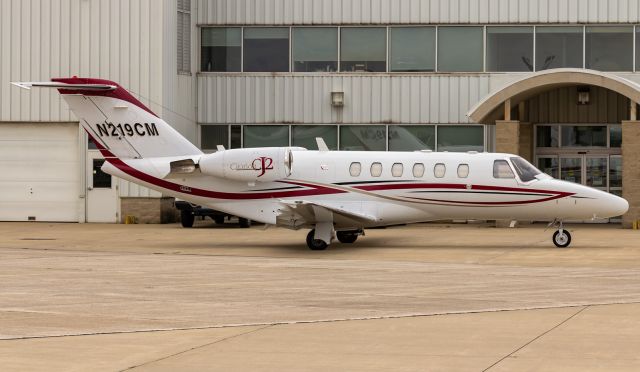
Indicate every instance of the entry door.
{"type": "Point", "coordinates": [102, 191]}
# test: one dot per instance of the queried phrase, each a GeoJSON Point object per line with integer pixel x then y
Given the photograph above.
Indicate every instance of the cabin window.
{"type": "Point", "coordinates": [418, 170]}
{"type": "Point", "coordinates": [397, 169]}
{"type": "Point", "coordinates": [439, 170]}
{"type": "Point", "coordinates": [376, 169]}
{"type": "Point", "coordinates": [354, 169]}
{"type": "Point", "coordinates": [463, 170]}
{"type": "Point", "coordinates": [501, 169]}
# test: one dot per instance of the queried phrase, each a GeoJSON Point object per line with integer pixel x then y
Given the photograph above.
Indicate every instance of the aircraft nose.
{"type": "Point", "coordinates": [613, 206]}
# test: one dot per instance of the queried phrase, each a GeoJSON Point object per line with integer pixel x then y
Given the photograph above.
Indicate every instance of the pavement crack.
{"type": "Point", "coordinates": [198, 347]}
{"type": "Point", "coordinates": [537, 337]}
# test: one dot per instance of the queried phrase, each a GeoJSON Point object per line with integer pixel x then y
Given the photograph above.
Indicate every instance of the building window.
{"type": "Point", "coordinates": [501, 169]}
{"type": "Point", "coordinates": [558, 47]}
{"type": "Point", "coordinates": [305, 136]}
{"type": "Point", "coordinates": [609, 48]}
{"type": "Point", "coordinates": [412, 49]}
{"type": "Point", "coordinates": [637, 48]}
{"type": "Point", "coordinates": [460, 138]}
{"type": "Point", "coordinates": [547, 136]}
{"type": "Point", "coordinates": [509, 48]}
{"type": "Point", "coordinates": [376, 169]}
{"type": "Point", "coordinates": [266, 135]}
{"type": "Point", "coordinates": [463, 170]}
{"type": "Point", "coordinates": [235, 137]}
{"type": "Point", "coordinates": [266, 49]}
{"type": "Point", "coordinates": [549, 165]}
{"type": "Point", "coordinates": [183, 28]}
{"type": "Point", "coordinates": [315, 49]}
{"type": "Point", "coordinates": [412, 137]}
{"type": "Point", "coordinates": [221, 49]}
{"type": "Point", "coordinates": [584, 136]}
{"type": "Point", "coordinates": [363, 49]}
{"type": "Point", "coordinates": [397, 169]}
{"type": "Point", "coordinates": [460, 48]}
{"type": "Point", "coordinates": [101, 180]}
{"type": "Point", "coordinates": [439, 170]}
{"type": "Point", "coordinates": [354, 169]}
{"type": "Point", "coordinates": [615, 135]}
{"type": "Point", "coordinates": [213, 135]}
{"type": "Point", "coordinates": [615, 172]}
{"type": "Point", "coordinates": [418, 170]}
{"type": "Point", "coordinates": [363, 137]}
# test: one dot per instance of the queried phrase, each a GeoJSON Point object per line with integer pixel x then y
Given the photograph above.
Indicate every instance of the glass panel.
{"type": "Point", "coordinates": [266, 135]}
{"type": "Point", "coordinates": [213, 135]}
{"type": "Point", "coordinates": [363, 137]}
{"type": "Point", "coordinates": [509, 48]}
{"type": "Point", "coordinates": [412, 137]}
{"type": "Point", "coordinates": [637, 48]}
{"type": "Point", "coordinates": [549, 166]}
{"type": "Point", "coordinates": [597, 172]}
{"type": "Point", "coordinates": [266, 49]}
{"type": "Point", "coordinates": [463, 170]}
{"type": "Point", "coordinates": [305, 136]}
{"type": "Point", "coordinates": [412, 48]}
{"type": "Point", "coordinates": [363, 49]}
{"type": "Point", "coordinates": [526, 171]}
{"type": "Point", "coordinates": [439, 170]}
{"type": "Point", "coordinates": [460, 138]}
{"type": "Point", "coordinates": [547, 136]}
{"type": "Point", "coordinates": [315, 49]}
{"type": "Point", "coordinates": [221, 49]}
{"type": "Point", "coordinates": [376, 169]}
{"type": "Point", "coordinates": [571, 169]}
{"type": "Point", "coordinates": [236, 137]}
{"type": "Point", "coordinates": [584, 135]}
{"type": "Point", "coordinates": [355, 169]}
{"type": "Point", "coordinates": [558, 47]}
{"type": "Point", "coordinates": [418, 170]}
{"type": "Point", "coordinates": [615, 135]}
{"type": "Point", "coordinates": [397, 169]}
{"type": "Point", "coordinates": [91, 145]}
{"type": "Point", "coordinates": [609, 48]}
{"type": "Point", "coordinates": [615, 171]}
{"type": "Point", "coordinates": [502, 169]}
{"type": "Point", "coordinates": [101, 180]}
{"type": "Point", "coordinates": [460, 49]}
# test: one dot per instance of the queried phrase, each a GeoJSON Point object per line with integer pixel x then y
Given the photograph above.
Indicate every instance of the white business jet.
{"type": "Point", "coordinates": [336, 194]}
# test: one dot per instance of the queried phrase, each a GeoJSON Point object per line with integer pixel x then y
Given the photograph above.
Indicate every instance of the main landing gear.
{"type": "Point", "coordinates": [561, 238]}
{"type": "Point", "coordinates": [347, 236]}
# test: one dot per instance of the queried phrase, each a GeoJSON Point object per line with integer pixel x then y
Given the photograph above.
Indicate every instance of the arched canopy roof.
{"type": "Point", "coordinates": [548, 79]}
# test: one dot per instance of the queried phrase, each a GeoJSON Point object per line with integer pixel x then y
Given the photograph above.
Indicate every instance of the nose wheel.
{"type": "Point", "coordinates": [561, 238]}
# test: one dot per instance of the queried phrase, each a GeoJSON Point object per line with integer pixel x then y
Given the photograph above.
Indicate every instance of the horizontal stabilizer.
{"type": "Point", "coordinates": [48, 84]}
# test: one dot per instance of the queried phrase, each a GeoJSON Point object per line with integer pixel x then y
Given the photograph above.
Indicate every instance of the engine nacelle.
{"type": "Point", "coordinates": [261, 164]}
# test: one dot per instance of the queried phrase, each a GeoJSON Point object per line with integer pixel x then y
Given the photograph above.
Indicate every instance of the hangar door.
{"type": "Point", "coordinates": [39, 172]}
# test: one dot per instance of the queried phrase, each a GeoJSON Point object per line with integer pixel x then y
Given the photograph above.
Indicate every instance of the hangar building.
{"type": "Point", "coordinates": [557, 82]}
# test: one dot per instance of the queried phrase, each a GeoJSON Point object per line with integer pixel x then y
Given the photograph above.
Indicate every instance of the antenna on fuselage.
{"type": "Point", "coordinates": [322, 146]}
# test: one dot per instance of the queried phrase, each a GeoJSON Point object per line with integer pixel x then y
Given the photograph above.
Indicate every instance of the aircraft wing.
{"type": "Point", "coordinates": [310, 212]}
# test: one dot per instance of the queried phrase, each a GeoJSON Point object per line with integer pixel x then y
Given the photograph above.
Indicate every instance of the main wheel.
{"type": "Point", "coordinates": [187, 218]}
{"type": "Point", "coordinates": [562, 240]}
{"type": "Point", "coordinates": [347, 236]}
{"type": "Point", "coordinates": [315, 244]}
{"type": "Point", "coordinates": [244, 222]}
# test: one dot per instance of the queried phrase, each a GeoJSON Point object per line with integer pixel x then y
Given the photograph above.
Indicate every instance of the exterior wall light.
{"type": "Point", "coordinates": [337, 99]}
{"type": "Point", "coordinates": [583, 96]}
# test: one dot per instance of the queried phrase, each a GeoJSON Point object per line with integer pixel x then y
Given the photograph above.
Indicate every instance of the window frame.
{"type": "Point", "coordinates": [497, 175]}
{"type": "Point", "coordinates": [377, 165]}
{"type": "Point", "coordinates": [438, 166]}
{"type": "Point", "coordinates": [351, 167]}
{"type": "Point", "coordinates": [460, 166]}
{"type": "Point", "coordinates": [397, 166]}
{"type": "Point", "coordinates": [413, 170]}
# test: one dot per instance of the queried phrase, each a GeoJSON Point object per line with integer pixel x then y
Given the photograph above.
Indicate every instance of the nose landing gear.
{"type": "Point", "coordinates": [561, 238]}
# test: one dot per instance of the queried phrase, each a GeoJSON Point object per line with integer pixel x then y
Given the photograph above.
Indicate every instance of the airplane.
{"type": "Point", "coordinates": [335, 194]}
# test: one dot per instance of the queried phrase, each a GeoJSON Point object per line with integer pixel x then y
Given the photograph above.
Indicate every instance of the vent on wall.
{"type": "Point", "coordinates": [31, 218]}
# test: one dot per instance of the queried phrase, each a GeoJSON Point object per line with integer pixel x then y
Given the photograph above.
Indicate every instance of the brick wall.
{"type": "Point", "coordinates": [631, 170]}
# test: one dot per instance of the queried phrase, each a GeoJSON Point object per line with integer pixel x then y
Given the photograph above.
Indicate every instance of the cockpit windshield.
{"type": "Point", "coordinates": [526, 171]}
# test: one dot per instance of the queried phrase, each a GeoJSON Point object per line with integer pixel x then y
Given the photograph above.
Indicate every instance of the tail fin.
{"type": "Point", "coordinates": [117, 121]}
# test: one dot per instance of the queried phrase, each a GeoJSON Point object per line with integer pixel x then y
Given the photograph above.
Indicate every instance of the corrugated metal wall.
{"type": "Point", "coordinates": [368, 99]}
{"type": "Point", "coordinates": [276, 12]}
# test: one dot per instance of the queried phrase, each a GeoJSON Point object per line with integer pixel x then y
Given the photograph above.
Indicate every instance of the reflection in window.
{"type": "Point", "coordinates": [615, 171]}
{"type": "Point", "coordinates": [460, 48]}
{"type": "Point", "coordinates": [363, 137]}
{"type": "Point", "coordinates": [509, 48]}
{"type": "Point", "coordinates": [547, 136]}
{"type": "Point", "coordinates": [463, 170]}
{"type": "Point", "coordinates": [354, 169]}
{"type": "Point", "coordinates": [315, 49]}
{"type": "Point", "coordinates": [305, 136]}
{"type": "Point", "coordinates": [363, 49]}
{"type": "Point", "coordinates": [236, 137]}
{"type": "Point", "coordinates": [596, 172]}
{"type": "Point", "coordinates": [558, 47]}
{"type": "Point", "coordinates": [418, 170]}
{"type": "Point", "coordinates": [460, 138]}
{"type": "Point", "coordinates": [376, 169]}
{"type": "Point", "coordinates": [615, 135]}
{"type": "Point", "coordinates": [213, 135]}
{"type": "Point", "coordinates": [412, 48]}
{"type": "Point", "coordinates": [584, 135]}
{"type": "Point", "coordinates": [266, 49]}
{"type": "Point", "coordinates": [439, 170]}
{"type": "Point", "coordinates": [526, 171]}
{"type": "Point", "coordinates": [501, 169]}
{"type": "Point", "coordinates": [412, 137]}
{"type": "Point", "coordinates": [397, 169]}
{"type": "Point", "coordinates": [101, 180]}
{"type": "Point", "coordinates": [266, 135]}
{"type": "Point", "coordinates": [549, 166]}
{"type": "Point", "coordinates": [609, 48]}
{"type": "Point", "coordinates": [221, 49]}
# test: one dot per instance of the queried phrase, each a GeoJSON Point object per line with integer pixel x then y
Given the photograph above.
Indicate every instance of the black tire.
{"type": "Point", "coordinates": [219, 220]}
{"type": "Point", "coordinates": [315, 244]}
{"type": "Point", "coordinates": [562, 241]}
{"type": "Point", "coordinates": [244, 222]}
{"type": "Point", "coordinates": [347, 237]}
{"type": "Point", "coordinates": [187, 218]}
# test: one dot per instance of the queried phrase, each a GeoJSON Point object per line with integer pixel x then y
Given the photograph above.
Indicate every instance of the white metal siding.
{"type": "Point", "coordinates": [279, 12]}
{"type": "Point", "coordinates": [368, 99]}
